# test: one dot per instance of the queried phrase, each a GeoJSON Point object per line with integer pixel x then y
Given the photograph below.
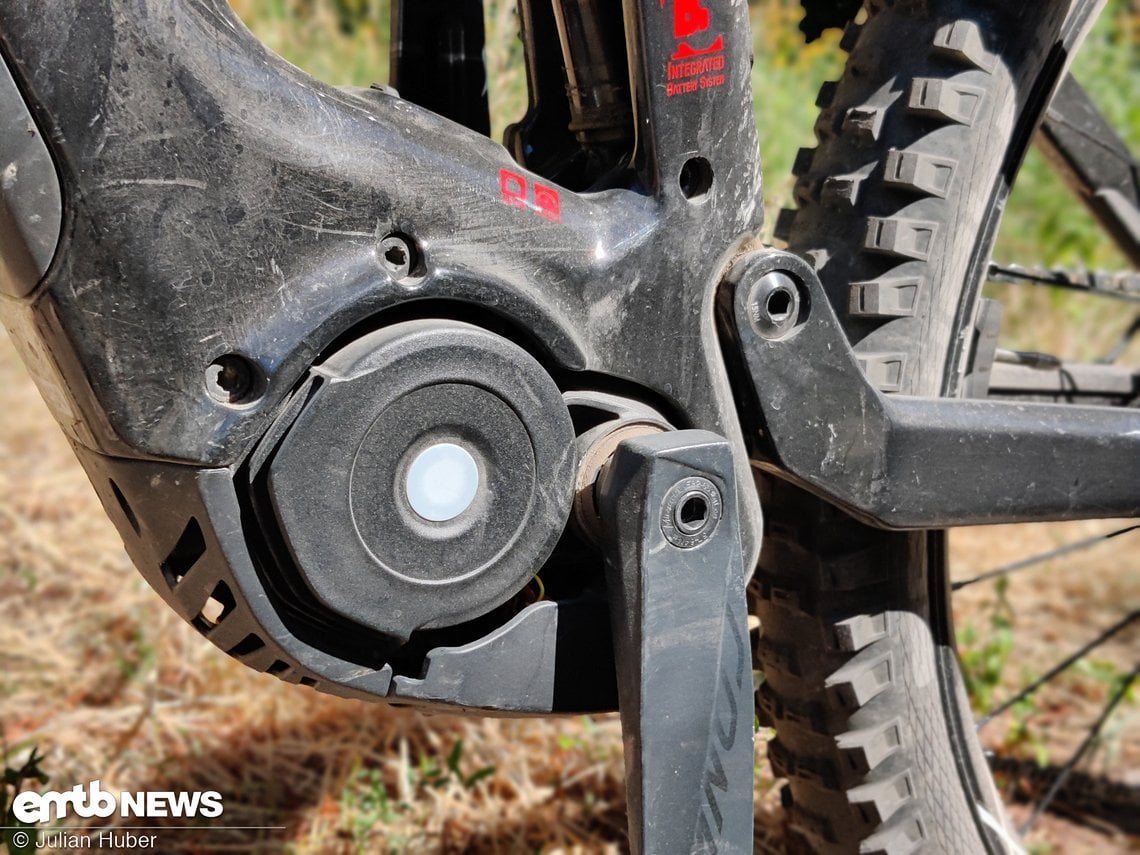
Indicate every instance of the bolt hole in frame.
{"type": "Point", "coordinates": [233, 379]}
{"type": "Point", "coordinates": [535, 197]}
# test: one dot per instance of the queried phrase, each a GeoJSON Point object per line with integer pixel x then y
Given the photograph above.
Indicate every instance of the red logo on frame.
{"type": "Point", "coordinates": [692, 18]}
{"type": "Point", "coordinates": [698, 62]}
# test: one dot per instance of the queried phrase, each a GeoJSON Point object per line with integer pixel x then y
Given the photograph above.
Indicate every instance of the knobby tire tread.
{"type": "Point", "coordinates": [897, 204]}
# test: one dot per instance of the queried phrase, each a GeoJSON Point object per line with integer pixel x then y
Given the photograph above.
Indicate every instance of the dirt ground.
{"type": "Point", "coordinates": [109, 684]}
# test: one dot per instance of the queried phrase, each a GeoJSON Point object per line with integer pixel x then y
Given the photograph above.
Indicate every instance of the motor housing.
{"type": "Point", "coordinates": [339, 479]}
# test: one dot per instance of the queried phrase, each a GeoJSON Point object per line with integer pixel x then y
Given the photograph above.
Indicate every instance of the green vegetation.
{"type": "Point", "coordinates": [785, 81]}
{"type": "Point", "coordinates": [339, 41]}
{"type": "Point", "coordinates": [984, 655]}
{"type": "Point", "coordinates": [985, 652]}
{"type": "Point", "coordinates": [11, 785]}
{"type": "Point", "coordinates": [986, 646]}
{"type": "Point", "coordinates": [368, 803]}
{"type": "Point", "coordinates": [433, 776]}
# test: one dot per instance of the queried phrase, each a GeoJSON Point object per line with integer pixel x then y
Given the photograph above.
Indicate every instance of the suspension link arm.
{"type": "Point", "coordinates": [904, 462]}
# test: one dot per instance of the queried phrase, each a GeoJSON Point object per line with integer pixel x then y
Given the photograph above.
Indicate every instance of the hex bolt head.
{"type": "Point", "coordinates": [234, 380]}
{"type": "Point", "coordinates": [399, 256]}
{"type": "Point", "coordinates": [691, 512]}
{"type": "Point", "coordinates": [774, 305]}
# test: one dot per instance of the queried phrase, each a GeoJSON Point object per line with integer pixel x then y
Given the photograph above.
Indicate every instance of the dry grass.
{"type": "Point", "coordinates": [1054, 609]}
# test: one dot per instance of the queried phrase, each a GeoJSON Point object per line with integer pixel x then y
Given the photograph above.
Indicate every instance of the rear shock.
{"type": "Point", "coordinates": [578, 130]}
{"type": "Point", "coordinates": [597, 72]}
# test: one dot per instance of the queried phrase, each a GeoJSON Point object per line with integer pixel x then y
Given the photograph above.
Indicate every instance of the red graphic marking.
{"type": "Point", "coordinates": [694, 67]}
{"type": "Point", "coordinates": [513, 186]}
{"type": "Point", "coordinates": [691, 18]}
{"type": "Point", "coordinates": [687, 51]}
{"type": "Point", "coordinates": [546, 201]}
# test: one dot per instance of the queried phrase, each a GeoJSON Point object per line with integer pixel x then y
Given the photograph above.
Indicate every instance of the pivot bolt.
{"type": "Point", "coordinates": [774, 305]}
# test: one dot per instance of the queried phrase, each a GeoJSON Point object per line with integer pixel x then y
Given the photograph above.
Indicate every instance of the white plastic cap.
{"type": "Point", "coordinates": [442, 482]}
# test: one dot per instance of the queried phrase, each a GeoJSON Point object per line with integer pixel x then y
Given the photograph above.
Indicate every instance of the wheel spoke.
{"type": "Point", "coordinates": [1061, 666]}
{"type": "Point", "coordinates": [1031, 359]}
{"type": "Point", "coordinates": [1122, 345]}
{"type": "Point", "coordinates": [1123, 285]}
{"type": "Point", "coordinates": [1082, 749]}
{"type": "Point", "coordinates": [1099, 168]}
{"type": "Point", "coordinates": [1041, 558]}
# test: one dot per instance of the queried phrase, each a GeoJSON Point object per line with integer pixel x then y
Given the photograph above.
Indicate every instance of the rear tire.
{"type": "Point", "coordinates": [898, 206]}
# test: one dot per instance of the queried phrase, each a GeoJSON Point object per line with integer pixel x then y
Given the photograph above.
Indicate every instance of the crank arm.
{"type": "Point", "coordinates": [903, 462]}
{"type": "Point", "coordinates": [676, 580]}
